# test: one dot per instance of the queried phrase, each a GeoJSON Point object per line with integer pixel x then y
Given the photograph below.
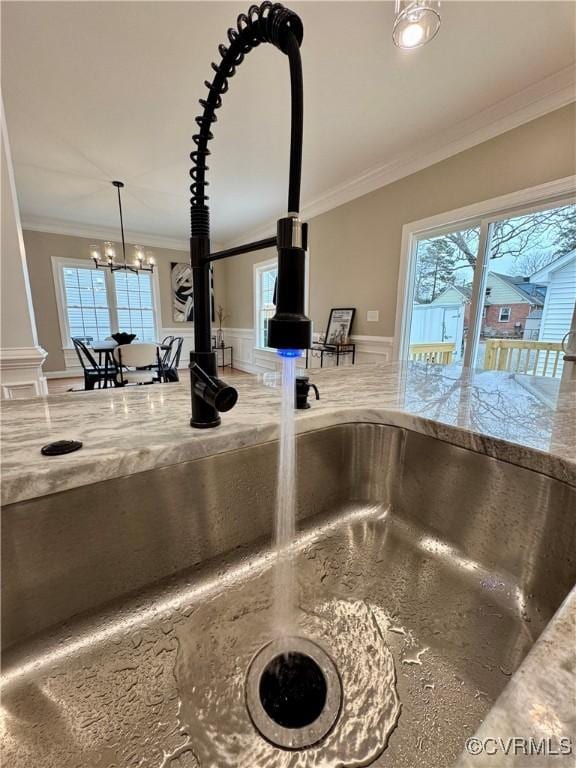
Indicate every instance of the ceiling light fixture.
{"type": "Point", "coordinates": [141, 263]}
{"type": "Point", "coordinates": [416, 22]}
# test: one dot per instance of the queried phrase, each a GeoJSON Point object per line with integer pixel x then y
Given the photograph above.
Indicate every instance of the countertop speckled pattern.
{"type": "Point", "coordinates": [138, 428]}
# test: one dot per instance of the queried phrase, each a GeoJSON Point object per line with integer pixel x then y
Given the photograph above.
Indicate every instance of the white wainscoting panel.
{"type": "Point", "coordinates": [369, 349]}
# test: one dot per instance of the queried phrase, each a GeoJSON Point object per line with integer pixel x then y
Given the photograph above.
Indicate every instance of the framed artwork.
{"type": "Point", "coordinates": [183, 292]}
{"type": "Point", "coordinates": [339, 325]}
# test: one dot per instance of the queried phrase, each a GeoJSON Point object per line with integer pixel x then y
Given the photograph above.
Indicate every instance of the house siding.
{"type": "Point", "coordinates": [559, 305]}
{"type": "Point", "coordinates": [501, 292]}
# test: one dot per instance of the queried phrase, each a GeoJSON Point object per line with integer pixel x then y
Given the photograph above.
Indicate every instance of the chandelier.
{"type": "Point", "coordinates": [140, 262]}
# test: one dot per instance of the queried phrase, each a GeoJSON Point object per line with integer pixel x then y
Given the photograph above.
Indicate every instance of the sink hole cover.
{"type": "Point", "coordinates": [293, 692]}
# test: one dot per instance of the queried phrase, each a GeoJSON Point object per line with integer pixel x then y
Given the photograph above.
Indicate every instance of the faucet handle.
{"type": "Point", "coordinates": [302, 388]}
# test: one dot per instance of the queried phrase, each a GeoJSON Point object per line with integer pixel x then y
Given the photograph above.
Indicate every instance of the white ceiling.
{"type": "Point", "coordinates": [102, 90]}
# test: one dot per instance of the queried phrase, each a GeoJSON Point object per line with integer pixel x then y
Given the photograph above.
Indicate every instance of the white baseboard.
{"type": "Point", "coordinates": [21, 372]}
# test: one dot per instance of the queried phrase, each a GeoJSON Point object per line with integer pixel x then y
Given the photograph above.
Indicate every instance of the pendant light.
{"type": "Point", "coordinates": [141, 263]}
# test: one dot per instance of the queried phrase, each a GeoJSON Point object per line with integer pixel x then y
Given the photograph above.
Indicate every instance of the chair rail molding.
{"type": "Point", "coordinates": [21, 372]}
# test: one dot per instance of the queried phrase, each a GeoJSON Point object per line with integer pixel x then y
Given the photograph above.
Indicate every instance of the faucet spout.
{"type": "Point", "coordinates": [290, 328]}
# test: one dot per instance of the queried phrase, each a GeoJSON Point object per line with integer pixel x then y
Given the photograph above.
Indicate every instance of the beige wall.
{"type": "Point", "coordinates": [17, 326]}
{"type": "Point", "coordinates": [355, 248]}
{"type": "Point", "coordinates": [41, 246]}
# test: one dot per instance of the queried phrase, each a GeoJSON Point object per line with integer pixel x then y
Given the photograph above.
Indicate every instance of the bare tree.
{"type": "Point", "coordinates": [555, 228]}
{"type": "Point", "coordinates": [531, 261]}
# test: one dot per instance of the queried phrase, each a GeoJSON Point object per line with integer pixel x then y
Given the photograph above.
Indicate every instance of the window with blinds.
{"type": "Point", "coordinates": [87, 305]}
{"type": "Point", "coordinates": [95, 303]}
{"type": "Point", "coordinates": [264, 290]}
{"type": "Point", "coordinates": [135, 304]}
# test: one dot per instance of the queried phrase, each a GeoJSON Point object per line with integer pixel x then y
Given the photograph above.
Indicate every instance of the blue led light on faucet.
{"type": "Point", "coordinates": [289, 352]}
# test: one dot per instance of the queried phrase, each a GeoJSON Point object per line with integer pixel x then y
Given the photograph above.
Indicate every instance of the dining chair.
{"type": "Point", "coordinates": [171, 359]}
{"type": "Point", "coordinates": [94, 373]}
{"type": "Point", "coordinates": [139, 363]}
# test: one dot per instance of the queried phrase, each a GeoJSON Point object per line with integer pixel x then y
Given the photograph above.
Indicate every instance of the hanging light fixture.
{"type": "Point", "coordinates": [141, 263]}
{"type": "Point", "coordinates": [416, 22]}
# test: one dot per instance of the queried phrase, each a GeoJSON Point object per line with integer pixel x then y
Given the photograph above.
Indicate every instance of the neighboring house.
{"type": "Point", "coordinates": [456, 294]}
{"type": "Point", "coordinates": [508, 303]}
{"type": "Point", "coordinates": [560, 279]}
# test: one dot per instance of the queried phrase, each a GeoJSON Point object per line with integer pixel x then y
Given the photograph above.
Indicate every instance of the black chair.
{"type": "Point", "coordinates": [171, 358]}
{"type": "Point", "coordinates": [93, 372]}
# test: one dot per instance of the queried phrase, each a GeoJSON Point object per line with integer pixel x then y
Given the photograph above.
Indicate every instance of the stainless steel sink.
{"type": "Point", "coordinates": [132, 607]}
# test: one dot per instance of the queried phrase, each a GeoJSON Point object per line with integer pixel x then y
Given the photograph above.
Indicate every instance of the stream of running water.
{"type": "Point", "coordinates": [285, 598]}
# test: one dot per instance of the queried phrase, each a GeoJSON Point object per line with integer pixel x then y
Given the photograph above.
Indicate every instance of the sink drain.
{"type": "Point", "coordinates": [293, 692]}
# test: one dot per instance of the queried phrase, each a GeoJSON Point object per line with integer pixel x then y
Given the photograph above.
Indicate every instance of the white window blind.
{"type": "Point", "coordinates": [95, 303]}
{"type": "Point", "coordinates": [87, 305]}
{"type": "Point", "coordinates": [135, 304]}
{"type": "Point", "coordinates": [265, 309]}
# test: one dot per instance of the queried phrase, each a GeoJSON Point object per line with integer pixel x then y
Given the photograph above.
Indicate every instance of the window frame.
{"type": "Point", "coordinates": [504, 309]}
{"type": "Point", "coordinates": [483, 215]}
{"type": "Point", "coordinates": [58, 265]}
{"type": "Point", "coordinates": [260, 266]}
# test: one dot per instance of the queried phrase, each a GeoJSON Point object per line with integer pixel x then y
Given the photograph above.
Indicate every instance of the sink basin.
{"type": "Point", "coordinates": [133, 607]}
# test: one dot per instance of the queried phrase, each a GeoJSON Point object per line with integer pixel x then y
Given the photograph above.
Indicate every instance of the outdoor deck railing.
{"type": "Point", "coordinates": [536, 358]}
{"type": "Point", "coordinates": [435, 352]}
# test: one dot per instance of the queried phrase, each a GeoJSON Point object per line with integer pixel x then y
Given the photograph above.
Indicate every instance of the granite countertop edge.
{"type": "Point", "coordinates": [87, 467]}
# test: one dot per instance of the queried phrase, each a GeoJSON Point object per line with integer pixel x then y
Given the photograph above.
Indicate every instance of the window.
{"type": "Point", "coordinates": [94, 303]}
{"type": "Point", "coordinates": [135, 304]}
{"type": "Point", "coordinates": [512, 256]}
{"type": "Point", "coordinates": [87, 307]}
{"type": "Point", "coordinates": [443, 272]}
{"type": "Point", "coordinates": [264, 281]}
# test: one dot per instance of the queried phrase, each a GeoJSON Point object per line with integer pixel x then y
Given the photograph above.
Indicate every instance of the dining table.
{"type": "Point", "coordinates": [105, 350]}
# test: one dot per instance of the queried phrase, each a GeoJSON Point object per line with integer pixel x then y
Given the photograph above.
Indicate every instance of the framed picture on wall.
{"type": "Point", "coordinates": [339, 325]}
{"type": "Point", "coordinates": [183, 292]}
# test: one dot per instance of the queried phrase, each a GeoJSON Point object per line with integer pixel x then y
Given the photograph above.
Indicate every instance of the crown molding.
{"type": "Point", "coordinates": [72, 229]}
{"type": "Point", "coordinates": [552, 93]}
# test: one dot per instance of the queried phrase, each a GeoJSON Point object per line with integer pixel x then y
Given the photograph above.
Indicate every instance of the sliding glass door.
{"type": "Point", "coordinates": [496, 294]}
{"type": "Point", "coordinates": [444, 267]}
{"type": "Point", "coordinates": [528, 292]}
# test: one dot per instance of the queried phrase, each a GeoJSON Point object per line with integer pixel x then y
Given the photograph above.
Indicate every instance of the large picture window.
{"type": "Point", "coordinates": [496, 292]}
{"type": "Point", "coordinates": [94, 303]}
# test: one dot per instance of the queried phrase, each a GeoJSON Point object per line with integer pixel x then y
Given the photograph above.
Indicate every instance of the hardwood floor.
{"type": "Point", "coordinates": [61, 386]}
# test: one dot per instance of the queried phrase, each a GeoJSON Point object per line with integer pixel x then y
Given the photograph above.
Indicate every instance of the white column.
{"type": "Point", "coordinates": [21, 358]}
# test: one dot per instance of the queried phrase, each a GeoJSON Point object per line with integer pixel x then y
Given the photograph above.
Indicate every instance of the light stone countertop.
{"type": "Point", "coordinates": [138, 428]}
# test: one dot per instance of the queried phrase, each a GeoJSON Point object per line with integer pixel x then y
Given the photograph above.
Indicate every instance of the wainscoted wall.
{"type": "Point", "coordinates": [369, 349]}
{"type": "Point", "coordinates": [246, 357]}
